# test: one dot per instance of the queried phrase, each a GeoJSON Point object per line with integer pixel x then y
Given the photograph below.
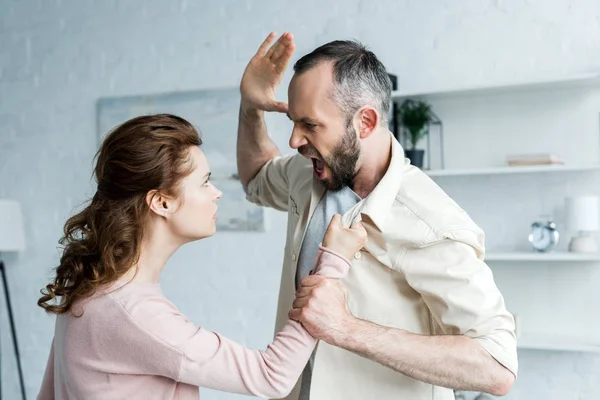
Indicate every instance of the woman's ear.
{"type": "Point", "coordinates": [159, 203]}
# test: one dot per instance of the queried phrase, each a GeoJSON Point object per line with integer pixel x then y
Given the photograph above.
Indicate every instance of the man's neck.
{"type": "Point", "coordinates": [376, 159]}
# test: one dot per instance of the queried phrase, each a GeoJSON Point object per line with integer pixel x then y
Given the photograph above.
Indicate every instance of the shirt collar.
{"type": "Point", "coordinates": [378, 203]}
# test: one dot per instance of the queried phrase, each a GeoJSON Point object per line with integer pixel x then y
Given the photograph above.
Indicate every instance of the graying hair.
{"type": "Point", "coordinates": [360, 79]}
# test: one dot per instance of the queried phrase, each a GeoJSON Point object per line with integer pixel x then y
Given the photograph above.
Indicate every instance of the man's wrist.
{"type": "Point", "coordinates": [356, 331]}
{"type": "Point", "coordinates": [347, 337]}
{"type": "Point", "coordinates": [249, 110]}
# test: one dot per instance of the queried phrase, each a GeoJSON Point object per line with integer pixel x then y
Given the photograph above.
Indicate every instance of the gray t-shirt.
{"type": "Point", "coordinates": [331, 203]}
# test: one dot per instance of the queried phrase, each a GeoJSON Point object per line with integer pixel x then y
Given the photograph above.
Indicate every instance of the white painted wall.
{"type": "Point", "coordinates": [58, 57]}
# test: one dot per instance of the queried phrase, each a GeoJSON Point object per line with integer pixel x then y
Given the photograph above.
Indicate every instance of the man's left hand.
{"type": "Point", "coordinates": [321, 307]}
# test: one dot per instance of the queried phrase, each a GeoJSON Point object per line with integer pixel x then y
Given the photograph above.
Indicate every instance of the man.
{"type": "Point", "coordinates": [419, 313]}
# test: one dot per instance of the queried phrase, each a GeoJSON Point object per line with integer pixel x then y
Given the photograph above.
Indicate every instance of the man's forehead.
{"type": "Point", "coordinates": [320, 74]}
{"type": "Point", "coordinates": [305, 90]}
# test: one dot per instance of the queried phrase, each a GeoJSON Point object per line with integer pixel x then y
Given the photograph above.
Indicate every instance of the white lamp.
{"type": "Point", "coordinates": [12, 239]}
{"type": "Point", "coordinates": [12, 234]}
{"type": "Point", "coordinates": [582, 214]}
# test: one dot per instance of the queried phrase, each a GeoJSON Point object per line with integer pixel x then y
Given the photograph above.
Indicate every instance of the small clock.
{"type": "Point", "coordinates": [543, 237]}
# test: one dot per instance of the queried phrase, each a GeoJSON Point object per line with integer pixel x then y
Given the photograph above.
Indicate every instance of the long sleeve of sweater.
{"type": "Point", "coordinates": [131, 341]}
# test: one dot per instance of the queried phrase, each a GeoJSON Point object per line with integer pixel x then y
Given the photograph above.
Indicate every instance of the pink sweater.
{"type": "Point", "coordinates": [132, 343]}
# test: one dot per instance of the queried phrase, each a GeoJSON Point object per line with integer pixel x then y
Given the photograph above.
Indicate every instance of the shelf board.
{"type": "Point", "coordinates": [509, 170]}
{"type": "Point", "coordinates": [557, 343]}
{"type": "Point", "coordinates": [582, 80]}
{"type": "Point", "coordinates": [534, 256]}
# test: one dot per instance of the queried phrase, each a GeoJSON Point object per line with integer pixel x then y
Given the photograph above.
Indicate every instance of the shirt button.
{"type": "Point", "coordinates": [358, 255]}
{"type": "Point", "coordinates": [294, 257]}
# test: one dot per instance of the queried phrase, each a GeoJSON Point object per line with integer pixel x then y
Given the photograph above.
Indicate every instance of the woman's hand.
{"type": "Point", "coordinates": [345, 241]}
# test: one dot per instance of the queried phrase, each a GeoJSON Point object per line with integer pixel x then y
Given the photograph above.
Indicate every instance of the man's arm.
{"type": "Point", "coordinates": [459, 290]}
{"type": "Point", "coordinates": [254, 147]}
{"type": "Point", "coordinates": [451, 361]}
{"type": "Point", "coordinates": [259, 82]}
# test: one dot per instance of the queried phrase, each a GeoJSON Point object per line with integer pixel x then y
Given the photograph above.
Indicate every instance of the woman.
{"type": "Point", "coordinates": [116, 336]}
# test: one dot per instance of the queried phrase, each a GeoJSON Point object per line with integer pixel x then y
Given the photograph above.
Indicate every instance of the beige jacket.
{"type": "Point", "coordinates": [422, 271]}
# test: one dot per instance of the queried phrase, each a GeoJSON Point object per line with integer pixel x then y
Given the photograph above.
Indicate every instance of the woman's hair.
{"type": "Point", "coordinates": [102, 242]}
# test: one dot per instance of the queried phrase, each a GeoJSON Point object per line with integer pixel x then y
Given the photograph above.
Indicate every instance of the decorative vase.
{"type": "Point", "coordinates": [415, 156]}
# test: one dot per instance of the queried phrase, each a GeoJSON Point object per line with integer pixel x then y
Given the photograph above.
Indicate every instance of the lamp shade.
{"type": "Point", "coordinates": [12, 234]}
{"type": "Point", "coordinates": [582, 213]}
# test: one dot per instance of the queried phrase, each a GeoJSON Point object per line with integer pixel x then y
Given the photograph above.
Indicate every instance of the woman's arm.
{"type": "Point", "coordinates": [216, 362]}
{"type": "Point", "coordinates": [47, 388]}
{"type": "Point", "coordinates": [150, 336]}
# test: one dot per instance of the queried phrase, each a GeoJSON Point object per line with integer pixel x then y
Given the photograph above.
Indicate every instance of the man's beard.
{"type": "Point", "coordinates": [341, 162]}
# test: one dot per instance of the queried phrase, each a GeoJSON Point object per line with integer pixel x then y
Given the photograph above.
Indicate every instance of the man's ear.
{"type": "Point", "coordinates": [367, 121]}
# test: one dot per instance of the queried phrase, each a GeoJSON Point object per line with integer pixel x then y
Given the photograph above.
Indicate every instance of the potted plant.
{"type": "Point", "coordinates": [415, 116]}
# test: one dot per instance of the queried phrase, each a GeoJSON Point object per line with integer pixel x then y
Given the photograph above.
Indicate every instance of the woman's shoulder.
{"type": "Point", "coordinates": [147, 310]}
{"type": "Point", "coordinates": [123, 324]}
{"type": "Point", "coordinates": [127, 312]}
{"type": "Point", "coordinates": [138, 300]}
{"type": "Point", "coordinates": [121, 302]}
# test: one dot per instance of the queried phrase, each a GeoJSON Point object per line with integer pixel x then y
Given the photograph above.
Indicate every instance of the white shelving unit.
{"type": "Point", "coordinates": [474, 100]}
{"type": "Point", "coordinates": [542, 257]}
{"type": "Point", "coordinates": [582, 81]}
{"type": "Point", "coordinates": [557, 343]}
{"type": "Point", "coordinates": [511, 170]}
{"type": "Point", "coordinates": [546, 84]}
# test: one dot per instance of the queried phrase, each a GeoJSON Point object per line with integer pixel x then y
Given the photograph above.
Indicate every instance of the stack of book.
{"type": "Point", "coordinates": [533, 159]}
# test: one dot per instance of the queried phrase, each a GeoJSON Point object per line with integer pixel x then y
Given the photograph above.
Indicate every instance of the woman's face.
{"type": "Point", "coordinates": [195, 214]}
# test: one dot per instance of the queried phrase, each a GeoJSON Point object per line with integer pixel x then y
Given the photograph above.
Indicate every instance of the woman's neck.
{"type": "Point", "coordinates": [156, 249]}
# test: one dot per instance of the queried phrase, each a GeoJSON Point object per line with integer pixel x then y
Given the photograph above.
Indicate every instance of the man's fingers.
{"type": "Point", "coordinates": [284, 53]}
{"type": "Point", "coordinates": [300, 302]}
{"type": "Point", "coordinates": [276, 106]}
{"type": "Point", "coordinates": [281, 107]}
{"type": "Point", "coordinates": [295, 314]}
{"type": "Point", "coordinates": [311, 281]}
{"type": "Point", "coordinates": [276, 51]}
{"type": "Point", "coordinates": [279, 47]}
{"type": "Point", "coordinates": [262, 50]}
{"type": "Point", "coordinates": [303, 291]}
{"type": "Point", "coordinates": [282, 59]}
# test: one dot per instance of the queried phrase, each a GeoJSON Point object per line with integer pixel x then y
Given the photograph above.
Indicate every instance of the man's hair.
{"type": "Point", "coordinates": [359, 77]}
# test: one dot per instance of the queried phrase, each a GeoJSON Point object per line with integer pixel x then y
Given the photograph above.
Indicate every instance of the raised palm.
{"type": "Point", "coordinates": [264, 72]}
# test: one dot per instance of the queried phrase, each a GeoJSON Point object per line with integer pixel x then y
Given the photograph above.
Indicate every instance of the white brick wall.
{"type": "Point", "coordinates": [58, 57]}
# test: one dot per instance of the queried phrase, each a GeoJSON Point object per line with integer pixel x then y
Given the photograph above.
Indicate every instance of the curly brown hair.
{"type": "Point", "coordinates": [102, 242]}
